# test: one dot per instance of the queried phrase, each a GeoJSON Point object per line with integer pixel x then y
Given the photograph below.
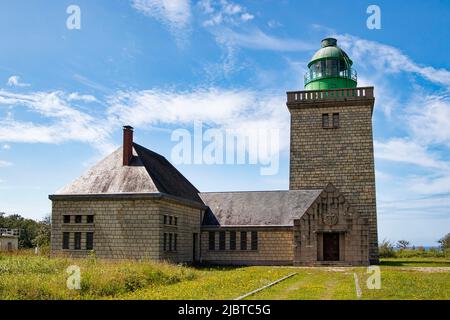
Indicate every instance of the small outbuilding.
{"type": "Point", "coordinates": [9, 239]}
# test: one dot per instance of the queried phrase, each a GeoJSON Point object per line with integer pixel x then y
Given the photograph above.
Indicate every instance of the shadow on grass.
{"type": "Point", "coordinates": [412, 263]}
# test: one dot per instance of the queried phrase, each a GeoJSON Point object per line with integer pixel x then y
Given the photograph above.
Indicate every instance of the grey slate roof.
{"type": "Point", "coordinates": [151, 174]}
{"type": "Point", "coordinates": [148, 172]}
{"type": "Point", "coordinates": [256, 208]}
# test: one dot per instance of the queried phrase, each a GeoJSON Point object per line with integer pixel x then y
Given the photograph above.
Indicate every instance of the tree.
{"type": "Point", "coordinates": [403, 244]}
{"type": "Point", "coordinates": [42, 238]}
{"type": "Point", "coordinates": [445, 242]}
{"type": "Point", "coordinates": [28, 228]}
{"type": "Point", "coordinates": [386, 249]}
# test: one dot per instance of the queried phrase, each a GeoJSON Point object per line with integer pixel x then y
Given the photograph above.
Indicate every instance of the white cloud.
{"type": "Point", "coordinates": [51, 104]}
{"type": "Point", "coordinates": [91, 84]}
{"type": "Point", "coordinates": [407, 151]}
{"type": "Point", "coordinates": [423, 119]}
{"type": "Point", "coordinates": [175, 14]}
{"type": "Point", "coordinates": [259, 40]}
{"type": "Point", "coordinates": [383, 176]}
{"type": "Point", "coordinates": [386, 99]}
{"type": "Point", "coordinates": [14, 81]}
{"type": "Point", "coordinates": [6, 146]}
{"type": "Point", "coordinates": [388, 59]}
{"type": "Point", "coordinates": [75, 96]}
{"type": "Point", "coordinates": [432, 184]}
{"type": "Point", "coordinates": [221, 108]}
{"type": "Point", "coordinates": [4, 163]}
{"type": "Point", "coordinates": [232, 41]}
{"type": "Point", "coordinates": [57, 121]}
{"type": "Point", "coordinates": [247, 16]}
{"type": "Point", "coordinates": [428, 119]}
{"type": "Point", "coordinates": [433, 206]}
{"type": "Point", "coordinates": [206, 6]}
{"type": "Point", "coordinates": [228, 22]}
{"type": "Point", "coordinates": [224, 12]}
{"type": "Point", "coordinates": [274, 24]}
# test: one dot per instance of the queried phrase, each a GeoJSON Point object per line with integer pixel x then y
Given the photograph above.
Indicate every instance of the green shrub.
{"type": "Point", "coordinates": [420, 252]}
{"type": "Point", "coordinates": [445, 242]}
{"type": "Point", "coordinates": [386, 249]}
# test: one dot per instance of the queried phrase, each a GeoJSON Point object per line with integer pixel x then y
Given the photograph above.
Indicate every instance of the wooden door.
{"type": "Point", "coordinates": [331, 246]}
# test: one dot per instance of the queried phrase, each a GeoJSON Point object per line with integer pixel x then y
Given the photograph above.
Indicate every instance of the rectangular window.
{"type": "Point", "coordinates": [325, 123]}
{"type": "Point", "coordinates": [66, 219]}
{"type": "Point", "coordinates": [165, 219]}
{"type": "Point", "coordinates": [89, 240]}
{"type": "Point", "coordinates": [170, 242]}
{"type": "Point", "coordinates": [90, 219]}
{"type": "Point", "coordinates": [222, 240]}
{"type": "Point", "coordinates": [254, 242]}
{"type": "Point", "coordinates": [175, 220]}
{"type": "Point", "coordinates": [335, 120]}
{"type": "Point", "coordinates": [170, 220]}
{"type": "Point", "coordinates": [232, 240]}
{"type": "Point", "coordinates": [243, 240]}
{"type": "Point", "coordinates": [212, 240]}
{"type": "Point", "coordinates": [77, 241]}
{"type": "Point", "coordinates": [77, 219]}
{"type": "Point", "coordinates": [66, 237]}
{"type": "Point", "coordinates": [165, 241]}
{"type": "Point", "coordinates": [175, 240]}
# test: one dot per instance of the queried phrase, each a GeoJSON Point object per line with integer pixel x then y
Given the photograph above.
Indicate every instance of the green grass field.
{"type": "Point", "coordinates": [24, 276]}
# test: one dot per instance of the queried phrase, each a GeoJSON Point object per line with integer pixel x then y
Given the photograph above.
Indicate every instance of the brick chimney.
{"type": "Point", "coordinates": [127, 145]}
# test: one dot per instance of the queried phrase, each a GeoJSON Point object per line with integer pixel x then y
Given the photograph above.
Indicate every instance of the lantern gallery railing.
{"type": "Point", "coordinates": [333, 94]}
{"type": "Point", "coordinates": [312, 75]}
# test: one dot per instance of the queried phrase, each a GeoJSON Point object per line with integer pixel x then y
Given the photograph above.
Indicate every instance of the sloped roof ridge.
{"type": "Point", "coordinates": [165, 160]}
{"type": "Point", "coordinates": [254, 191]}
{"type": "Point", "coordinates": [183, 188]}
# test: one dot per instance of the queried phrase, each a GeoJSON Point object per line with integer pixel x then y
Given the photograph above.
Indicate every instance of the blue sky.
{"type": "Point", "coordinates": [159, 65]}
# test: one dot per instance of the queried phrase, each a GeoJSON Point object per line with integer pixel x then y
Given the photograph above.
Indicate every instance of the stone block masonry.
{"type": "Point", "coordinates": [342, 155]}
{"type": "Point", "coordinates": [124, 229]}
{"type": "Point", "coordinates": [274, 247]}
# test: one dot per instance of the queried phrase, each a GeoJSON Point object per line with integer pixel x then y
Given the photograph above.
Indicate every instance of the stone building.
{"type": "Point", "coordinates": [135, 204]}
{"type": "Point", "coordinates": [9, 239]}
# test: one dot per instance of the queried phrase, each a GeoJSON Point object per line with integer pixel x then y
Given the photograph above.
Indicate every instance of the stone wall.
{"type": "Point", "coordinates": [331, 213]}
{"type": "Point", "coordinates": [188, 224]}
{"type": "Point", "coordinates": [343, 156]}
{"type": "Point", "coordinates": [123, 229]}
{"type": "Point", "coordinates": [8, 243]}
{"type": "Point", "coordinates": [275, 247]}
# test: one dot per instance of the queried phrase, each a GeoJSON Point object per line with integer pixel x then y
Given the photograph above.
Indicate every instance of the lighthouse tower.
{"type": "Point", "coordinates": [331, 134]}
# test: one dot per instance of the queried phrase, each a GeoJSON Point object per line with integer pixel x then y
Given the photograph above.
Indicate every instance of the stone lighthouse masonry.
{"type": "Point", "coordinates": [135, 205]}
{"type": "Point", "coordinates": [331, 134]}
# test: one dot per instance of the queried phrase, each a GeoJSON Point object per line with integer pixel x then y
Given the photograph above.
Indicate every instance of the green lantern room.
{"type": "Point", "coordinates": [330, 68]}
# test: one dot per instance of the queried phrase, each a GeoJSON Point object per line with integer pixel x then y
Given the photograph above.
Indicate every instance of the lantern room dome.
{"type": "Point", "coordinates": [329, 50]}
{"type": "Point", "coordinates": [330, 68]}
